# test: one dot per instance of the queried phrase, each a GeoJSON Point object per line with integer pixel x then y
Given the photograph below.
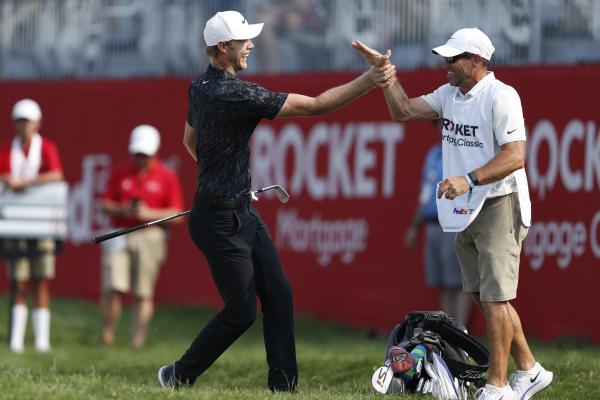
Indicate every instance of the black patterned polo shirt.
{"type": "Point", "coordinates": [224, 111]}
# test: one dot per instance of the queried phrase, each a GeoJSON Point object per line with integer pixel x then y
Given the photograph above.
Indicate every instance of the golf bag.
{"type": "Point", "coordinates": [430, 353]}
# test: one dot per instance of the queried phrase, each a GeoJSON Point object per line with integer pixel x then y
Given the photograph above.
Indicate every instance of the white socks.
{"type": "Point", "coordinates": [18, 327]}
{"type": "Point", "coordinates": [41, 328]}
{"type": "Point", "coordinates": [533, 369]}
{"type": "Point", "coordinates": [504, 390]}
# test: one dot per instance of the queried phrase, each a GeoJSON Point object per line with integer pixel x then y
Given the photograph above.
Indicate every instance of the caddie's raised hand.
{"type": "Point", "coordinates": [370, 55]}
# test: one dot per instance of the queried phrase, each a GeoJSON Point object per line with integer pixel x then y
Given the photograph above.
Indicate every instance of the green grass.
{"type": "Point", "coordinates": [335, 362]}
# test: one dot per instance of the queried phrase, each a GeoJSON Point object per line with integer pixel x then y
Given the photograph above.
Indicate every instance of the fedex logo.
{"type": "Point", "coordinates": [463, 211]}
{"type": "Point", "coordinates": [459, 129]}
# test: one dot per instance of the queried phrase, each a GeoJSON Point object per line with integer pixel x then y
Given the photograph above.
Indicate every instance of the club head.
{"type": "Point", "coordinates": [381, 379]}
{"type": "Point", "coordinates": [397, 386]}
{"type": "Point", "coordinates": [281, 194]}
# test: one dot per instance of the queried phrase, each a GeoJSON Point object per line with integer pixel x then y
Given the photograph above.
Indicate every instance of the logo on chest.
{"type": "Point", "coordinates": [459, 129]}
{"type": "Point", "coordinates": [148, 186]}
{"type": "Point", "coordinates": [152, 186]}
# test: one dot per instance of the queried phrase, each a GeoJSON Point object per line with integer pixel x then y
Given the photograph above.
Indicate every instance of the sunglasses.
{"type": "Point", "coordinates": [453, 59]}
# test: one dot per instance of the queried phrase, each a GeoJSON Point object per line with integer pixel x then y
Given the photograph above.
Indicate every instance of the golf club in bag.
{"type": "Point", "coordinates": [280, 192]}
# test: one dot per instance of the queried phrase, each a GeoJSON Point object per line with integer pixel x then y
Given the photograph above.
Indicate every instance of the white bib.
{"type": "Point", "coordinates": [468, 142]}
{"type": "Point", "coordinates": [22, 167]}
{"type": "Point", "coordinates": [455, 215]}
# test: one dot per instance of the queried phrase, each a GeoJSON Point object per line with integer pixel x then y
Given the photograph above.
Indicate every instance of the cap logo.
{"type": "Point", "coordinates": [243, 20]}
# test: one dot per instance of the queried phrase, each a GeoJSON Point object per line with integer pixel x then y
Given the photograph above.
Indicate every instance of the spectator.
{"type": "Point", "coordinates": [289, 26]}
{"type": "Point", "coordinates": [29, 160]}
{"type": "Point", "coordinates": [139, 191]}
{"type": "Point", "coordinates": [441, 265]}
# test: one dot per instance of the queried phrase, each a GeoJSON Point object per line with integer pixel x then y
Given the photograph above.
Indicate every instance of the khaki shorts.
{"type": "Point", "coordinates": [132, 262]}
{"type": "Point", "coordinates": [489, 250]}
{"type": "Point", "coordinates": [23, 268]}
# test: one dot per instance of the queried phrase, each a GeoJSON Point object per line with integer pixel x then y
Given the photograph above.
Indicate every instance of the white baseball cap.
{"type": "Point", "coordinates": [467, 40]}
{"type": "Point", "coordinates": [144, 139]}
{"type": "Point", "coordinates": [229, 25]}
{"type": "Point", "coordinates": [26, 109]}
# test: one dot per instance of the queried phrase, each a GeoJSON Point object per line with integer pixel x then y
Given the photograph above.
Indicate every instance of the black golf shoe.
{"type": "Point", "coordinates": [167, 378]}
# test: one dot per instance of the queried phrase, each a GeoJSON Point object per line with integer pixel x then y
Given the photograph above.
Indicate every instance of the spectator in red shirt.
{"type": "Point", "coordinates": [139, 191]}
{"type": "Point", "coordinates": [29, 160]}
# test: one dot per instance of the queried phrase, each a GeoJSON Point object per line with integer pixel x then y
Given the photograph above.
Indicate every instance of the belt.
{"type": "Point", "coordinates": [225, 204]}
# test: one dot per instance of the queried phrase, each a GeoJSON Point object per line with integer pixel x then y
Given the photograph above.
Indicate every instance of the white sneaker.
{"type": "Point", "coordinates": [42, 348]}
{"type": "Point", "coordinates": [489, 392]}
{"type": "Point", "coordinates": [525, 384]}
{"type": "Point", "coordinates": [17, 349]}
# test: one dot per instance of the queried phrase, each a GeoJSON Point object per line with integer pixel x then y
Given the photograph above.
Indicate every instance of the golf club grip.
{"type": "Point", "coordinates": [120, 232]}
{"type": "Point", "coordinates": [125, 231]}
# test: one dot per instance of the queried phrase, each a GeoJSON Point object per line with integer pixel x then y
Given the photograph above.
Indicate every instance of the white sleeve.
{"type": "Point", "coordinates": [507, 116]}
{"type": "Point", "coordinates": [435, 100]}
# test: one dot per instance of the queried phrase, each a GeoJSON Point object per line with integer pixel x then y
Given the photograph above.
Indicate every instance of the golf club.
{"type": "Point", "coordinates": [382, 377]}
{"type": "Point", "coordinates": [280, 192]}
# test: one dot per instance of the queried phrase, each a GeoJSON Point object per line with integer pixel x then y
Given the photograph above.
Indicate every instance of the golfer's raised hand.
{"type": "Point", "coordinates": [383, 76]}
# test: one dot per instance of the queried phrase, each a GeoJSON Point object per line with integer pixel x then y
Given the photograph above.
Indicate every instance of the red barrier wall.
{"type": "Point", "coordinates": [353, 178]}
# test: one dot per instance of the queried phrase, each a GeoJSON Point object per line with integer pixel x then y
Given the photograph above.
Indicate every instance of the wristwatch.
{"type": "Point", "coordinates": [470, 182]}
{"type": "Point", "coordinates": [473, 178]}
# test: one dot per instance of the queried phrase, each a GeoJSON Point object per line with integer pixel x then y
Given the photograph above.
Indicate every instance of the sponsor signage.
{"type": "Point", "coordinates": [353, 178]}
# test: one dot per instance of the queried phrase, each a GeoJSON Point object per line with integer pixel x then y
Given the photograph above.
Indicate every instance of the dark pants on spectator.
{"type": "Point", "coordinates": [244, 264]}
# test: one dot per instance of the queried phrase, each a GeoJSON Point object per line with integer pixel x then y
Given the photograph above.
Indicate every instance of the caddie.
{"type": "Point", "coordinates": [483, 195]}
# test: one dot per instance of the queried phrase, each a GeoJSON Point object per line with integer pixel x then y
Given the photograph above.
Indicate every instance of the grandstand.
{"type": "Point", "coordinates": [55, 39]}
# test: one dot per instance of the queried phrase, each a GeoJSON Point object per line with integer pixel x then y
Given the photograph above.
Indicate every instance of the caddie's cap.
{"type": "Point", "coordinates": [144, 139]}
{"type": "Point", "coordinates": [26, 109]}
{"type": "Point", "coordinates": [229, 25]}
{"type": "Point", "coordinates": [467, 40]}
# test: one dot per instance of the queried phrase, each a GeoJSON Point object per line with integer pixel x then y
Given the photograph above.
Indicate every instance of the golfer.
{"type": "Point", "coordinates": [223, 113]}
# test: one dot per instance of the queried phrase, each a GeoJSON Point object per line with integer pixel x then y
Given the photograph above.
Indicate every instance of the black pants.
{"type": "Point", "coordinates": [244, 264]}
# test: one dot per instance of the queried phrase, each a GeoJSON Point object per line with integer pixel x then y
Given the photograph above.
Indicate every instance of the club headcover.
{"type": "Point", "coordinates": [400, 359]}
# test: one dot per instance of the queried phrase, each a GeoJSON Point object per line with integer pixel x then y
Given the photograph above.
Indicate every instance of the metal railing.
{"type": "Point", "coordinates": [54, 39]}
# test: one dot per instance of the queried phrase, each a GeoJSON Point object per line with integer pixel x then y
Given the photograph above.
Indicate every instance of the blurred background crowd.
{"type": "Point", "coordinates": [124, 38]}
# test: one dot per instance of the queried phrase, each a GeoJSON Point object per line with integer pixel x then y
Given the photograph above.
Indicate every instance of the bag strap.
{"type": "Point", "coordinates": [463, 341]}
